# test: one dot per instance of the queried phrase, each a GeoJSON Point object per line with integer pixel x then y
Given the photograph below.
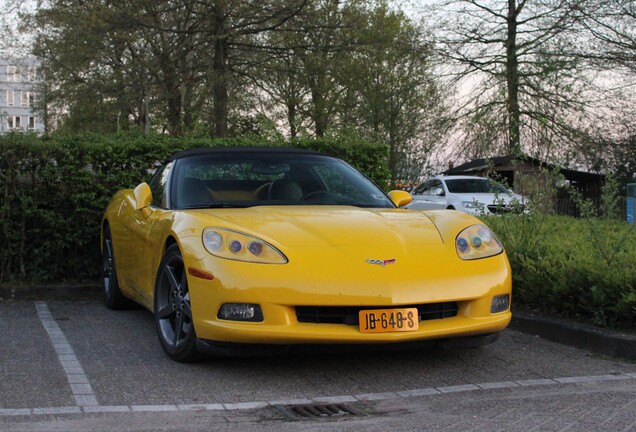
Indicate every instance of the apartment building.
{"type": "Point", "coordinates": [19, 96]}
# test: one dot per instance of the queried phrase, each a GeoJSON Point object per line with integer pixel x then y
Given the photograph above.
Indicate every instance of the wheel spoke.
{"type": "Point", "coordinates": [187, 309]}
{"type": "Point", "coordinates": [109, 248]}
{"type": "Point", "coordinates": [172, 278]}
{"type": "Point", "coordinates": [108, 257]}
{"type": "Point", "coordinates": [107, 265]}
{"type": "Point", "coordinates": [178, 329]}
{"type": "Point", "coordinates": [165, 311]}
{"type": "Point", "coordinates": [187, 328]}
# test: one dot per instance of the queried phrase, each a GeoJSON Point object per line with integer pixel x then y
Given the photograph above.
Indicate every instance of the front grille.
{"type": "Point", "coordinates": [349, 314]}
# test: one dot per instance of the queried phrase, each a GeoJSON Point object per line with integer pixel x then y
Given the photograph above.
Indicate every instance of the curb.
{"type": "Point", "coordinates": [601, 341]}
{"type": "Point", "coordinates": [76, 292]}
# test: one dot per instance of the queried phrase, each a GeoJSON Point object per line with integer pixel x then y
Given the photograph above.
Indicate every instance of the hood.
{"type": "Point", "coordinates": [318, 226]}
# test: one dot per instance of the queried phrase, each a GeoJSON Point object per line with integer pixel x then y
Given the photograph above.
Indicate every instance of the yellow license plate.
{"type": "Point", "coordinates": [388, 320]}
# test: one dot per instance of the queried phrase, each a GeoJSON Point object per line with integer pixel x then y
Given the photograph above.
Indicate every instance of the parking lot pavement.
{"type": "Point", "coordinates": [30, 373]}
{"type": "Point", "coordinates": [126, 372]}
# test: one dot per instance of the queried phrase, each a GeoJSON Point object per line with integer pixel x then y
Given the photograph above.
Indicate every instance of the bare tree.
{"type": "Point", "coordinates": [611, 27]}
{"type": "Point", "coordinates": [520, 53]}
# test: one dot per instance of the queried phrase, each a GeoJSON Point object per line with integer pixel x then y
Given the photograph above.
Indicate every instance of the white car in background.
{"type": "Point", "coordinates": [469, 194]}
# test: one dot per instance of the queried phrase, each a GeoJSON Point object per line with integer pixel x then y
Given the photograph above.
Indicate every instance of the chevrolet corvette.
{"type": "Point", "coordinates": [238, 250]}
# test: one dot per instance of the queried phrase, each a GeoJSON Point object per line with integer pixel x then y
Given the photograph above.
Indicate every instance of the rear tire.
{"type": "Point", "coordinates": [113, 297]}
{"type": "Point", "coordinates": [172, 309]}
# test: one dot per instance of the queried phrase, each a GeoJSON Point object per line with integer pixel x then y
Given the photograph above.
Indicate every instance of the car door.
{"type": "Point", "coordinates": [419, 195]}
{"type": "Point", "coordinates": [142, 249]}
{"type": "Point", "coordinates": [436, 196]}
{"type": "Point", "coordinates": [426, 196]}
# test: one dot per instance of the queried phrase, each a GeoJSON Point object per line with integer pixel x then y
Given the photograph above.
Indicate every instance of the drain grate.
{"type": "Point", "coordinates": [319, 411]}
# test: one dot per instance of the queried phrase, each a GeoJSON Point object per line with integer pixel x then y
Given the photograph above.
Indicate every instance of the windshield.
{"type": "Point", "coordinates": [245, 179]}
{"type": "Point", "coordinates": [475, 186]}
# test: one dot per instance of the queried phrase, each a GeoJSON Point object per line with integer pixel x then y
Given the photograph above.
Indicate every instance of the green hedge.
{"type": "Point", "coordinates": [54, 190]}
{"type": "Point", "coordinates": [583, 269]}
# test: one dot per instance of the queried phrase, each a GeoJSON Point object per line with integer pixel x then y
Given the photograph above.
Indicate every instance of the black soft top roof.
{"type": "Point", "coordinates": [252, 149]}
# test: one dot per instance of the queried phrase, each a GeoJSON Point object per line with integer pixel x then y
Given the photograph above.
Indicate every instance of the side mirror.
{"type": "Point", "coordinates": [143, 198]}
{"type": "Point", "coordinates": [438, 192]}
{"type": "Point", "coordinates": [400, 198]}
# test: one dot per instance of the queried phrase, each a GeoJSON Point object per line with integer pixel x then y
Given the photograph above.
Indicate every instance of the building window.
{"type": "Point", "coordinates": [14, 73]}
{"type": "Point", "coordinates": [31, 123]}
{"type": "Point", "coordinates": [27, 99]}
{"type": "Point", "coordinates": [10, 73]}
{"type": "Point", "coordinates": [32, 74]}
{"type": "Point", "coordinates": [10, 99]}
{"type": "Point", "coordinates": [14, 122]}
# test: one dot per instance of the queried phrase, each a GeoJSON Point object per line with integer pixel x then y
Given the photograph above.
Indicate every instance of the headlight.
{"type": "Point", "coordinates": [234, 245]}
{"type": "Point", "coordinates": [472, 204]}
{"type": "Point", "coordinates": [476, 242]}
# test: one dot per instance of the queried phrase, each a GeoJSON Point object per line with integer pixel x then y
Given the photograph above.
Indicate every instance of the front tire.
{"type": "Point", "coordinates": [112, 295]}
{"type": "Point", "coordinates": [172, 309]}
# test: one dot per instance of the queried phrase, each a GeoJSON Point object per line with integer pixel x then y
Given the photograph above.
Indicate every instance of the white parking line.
{"type": "Point", "coordinates": [432, 391]}
{"type": "Point", "coordinates": [80, 387]}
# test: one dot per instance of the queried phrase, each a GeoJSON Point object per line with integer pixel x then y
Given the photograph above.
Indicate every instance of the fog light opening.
{"type": "Point", "coordinates": [500, 304]}
{"type": "Point", "coordinates": [241, 312]}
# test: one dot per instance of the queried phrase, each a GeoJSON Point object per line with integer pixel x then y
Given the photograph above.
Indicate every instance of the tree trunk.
{"type": "Point", "coordinates": [291, 119]}
{"type": "Point", "coordinates": [394, 158]}
{"type": "Point", "coordinates": [174, 111]}
{"type": "Point", "coordinates": [220, 66]}
{"type": "Point", "coordinates": [319, 114]}
{"type": "Point", "coordinates": [512, 81]}
{"type": "Point", "coordinates": [172, 94]}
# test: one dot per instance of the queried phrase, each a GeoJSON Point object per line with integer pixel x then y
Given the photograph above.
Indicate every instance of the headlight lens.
{"type": "Point", "coordinates": [472, 204]}
{"type": "Point", "coordinates": [234, 245]}
{"type": "Point", "coordinates": [477, 241]}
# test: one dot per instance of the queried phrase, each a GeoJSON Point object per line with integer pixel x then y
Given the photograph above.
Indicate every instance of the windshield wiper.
{"type": "Point", "coordinates": [347, 203]}
{"type": "Point", "coordinates": [217, 204]}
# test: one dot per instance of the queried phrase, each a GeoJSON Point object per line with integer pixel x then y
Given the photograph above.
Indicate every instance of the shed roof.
{"type": "Point", "coordinates": [478, 165]}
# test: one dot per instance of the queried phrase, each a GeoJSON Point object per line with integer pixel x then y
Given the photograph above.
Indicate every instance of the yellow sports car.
{"type": "Point", "coordinates": [241, 250]}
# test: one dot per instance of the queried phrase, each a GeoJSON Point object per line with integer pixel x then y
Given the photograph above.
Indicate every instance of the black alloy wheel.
{"type": "Point", "coordinates": [173, 312]}
{"type": "Point", "coordinates": [113, 297]}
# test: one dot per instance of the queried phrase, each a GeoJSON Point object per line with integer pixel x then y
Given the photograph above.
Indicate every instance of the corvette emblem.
{"type": "Point", "coordinates": [383, 263]}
